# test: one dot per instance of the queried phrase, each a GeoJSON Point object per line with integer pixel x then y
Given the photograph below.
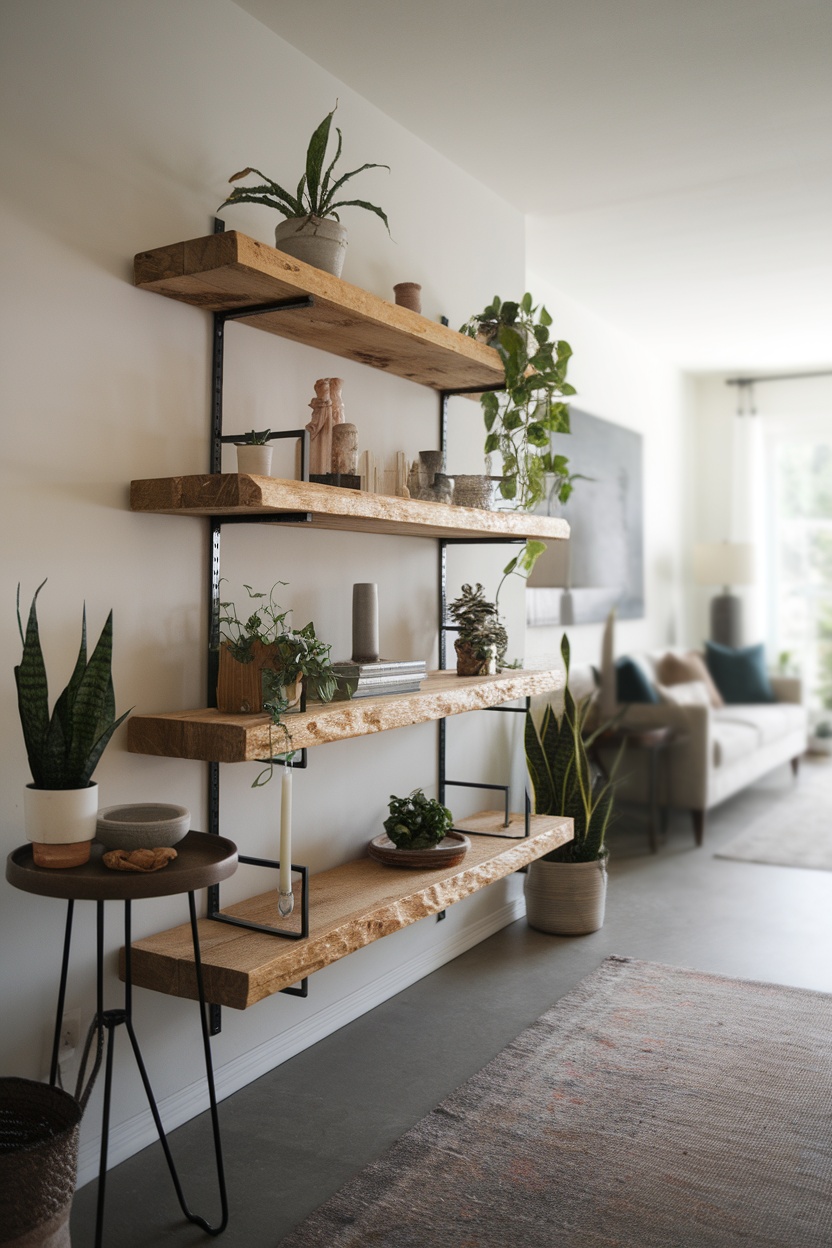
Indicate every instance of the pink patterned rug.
{"type": "Point", "coordinates": [651, 1107]}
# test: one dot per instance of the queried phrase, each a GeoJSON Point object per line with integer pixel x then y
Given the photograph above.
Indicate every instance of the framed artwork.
{"type": "Point", "coordinates": [602, 565]}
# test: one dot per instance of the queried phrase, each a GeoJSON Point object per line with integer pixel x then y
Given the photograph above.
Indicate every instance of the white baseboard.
{"type": "Point", "coordinates": [136, 1133]}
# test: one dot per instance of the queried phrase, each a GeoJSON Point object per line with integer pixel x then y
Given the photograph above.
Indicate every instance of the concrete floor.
{"type": "Point", "coordinates": [354, 1093]}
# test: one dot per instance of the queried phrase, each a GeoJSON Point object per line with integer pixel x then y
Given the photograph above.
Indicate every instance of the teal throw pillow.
{"type": "Point", "coordinates": [739, 675]}
{"type": "Point", "coordinates": [631, 683]}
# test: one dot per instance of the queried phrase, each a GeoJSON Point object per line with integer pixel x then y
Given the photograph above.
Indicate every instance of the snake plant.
{"type": "Point", "coordinates": [64, 748]}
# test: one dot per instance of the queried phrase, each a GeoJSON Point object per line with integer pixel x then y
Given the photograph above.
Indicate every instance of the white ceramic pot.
{"type": "Point", "coordinates": [566, 898]}
{"type": "Point", "coordinates": [256, 459]}
{"type": "Point", "coordinates": [60, 823]}
{"type": "Point", "coordinates": [319, 241]}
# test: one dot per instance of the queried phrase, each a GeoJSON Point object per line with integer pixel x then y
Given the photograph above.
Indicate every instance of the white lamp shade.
{"type": "Point", "coordinates": [723, 563]}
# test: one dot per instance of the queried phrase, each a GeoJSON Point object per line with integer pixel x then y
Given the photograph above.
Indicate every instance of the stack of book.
{"type": "Point", "coordinates": [371, 680]}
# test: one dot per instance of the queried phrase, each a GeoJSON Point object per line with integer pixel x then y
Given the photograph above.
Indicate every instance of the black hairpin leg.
{"type": "Point", "coordinates": [109, 1020]}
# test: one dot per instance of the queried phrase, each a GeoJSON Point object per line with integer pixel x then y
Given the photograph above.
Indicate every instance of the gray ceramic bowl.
{"type": "Point", "coordinates": [143, 825]}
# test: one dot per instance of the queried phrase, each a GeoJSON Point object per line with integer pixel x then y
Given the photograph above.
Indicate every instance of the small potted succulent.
{"type": "Point", "coordinates": [482, 640]}
{"type": "Point", "coordinates": [312, 231]}
{"type": "Point", "coordinates": [521, 419]}
{"type": "Point", "coordinates": [254, 454]}
{"type": "Point", "coordinates": [416, 821]}
{"type": "Point", "coordinates": [61, 804]}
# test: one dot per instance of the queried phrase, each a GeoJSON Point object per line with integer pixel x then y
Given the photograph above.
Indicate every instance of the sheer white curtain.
{"type": "Point", "coordinates": [787, 501]}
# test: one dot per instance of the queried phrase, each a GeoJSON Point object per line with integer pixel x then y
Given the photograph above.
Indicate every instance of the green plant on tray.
{"type": "Point", "coordinates": [416, 821]}
{"type": "Point", "coordinates": [64, 749]}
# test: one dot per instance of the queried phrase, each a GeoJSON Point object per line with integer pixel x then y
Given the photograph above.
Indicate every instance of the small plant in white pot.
{"type": "Point", "coordinates": [566, 889]}
{"type": "Point", "coordinates": [312, 231]}
{"type": "Point", "coordinates": [254, 455]}
{"type": "Point", "coordinates": [61, 804]}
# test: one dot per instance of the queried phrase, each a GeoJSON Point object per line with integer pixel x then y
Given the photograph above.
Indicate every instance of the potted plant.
{"type": "Point", "coordinates": [520, 419]}
{"type": "Point", "coordinates": [61, 803]}
{"type": "Point", "coordinates": [482, 640]}
{"type": "Point", "coordinates": [254, 454]}
{"type": "Point", "coordinates": [263, 660]}
{"type": "Point", "coordinates": [312, 231]}
{"type": "Point", "coordinates": [416, 821]}
{"type": "Point", "coordinates": [566, 889]}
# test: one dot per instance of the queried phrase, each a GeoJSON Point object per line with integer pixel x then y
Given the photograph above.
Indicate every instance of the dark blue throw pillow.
{"type": "Point", "coordinates": [739, 675]}
{"type": "Point", "coordinates": [631, 683]}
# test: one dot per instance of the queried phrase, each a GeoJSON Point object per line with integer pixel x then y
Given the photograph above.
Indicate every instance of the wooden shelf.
{"type": "Point", "coordinates": [330, 507]}
{"type": "Point", "coordinates": [212, 736]}
{"type": "Point", "coordinates": [223, 272]}
{"type": "Point", "coordinates": [349, 907]}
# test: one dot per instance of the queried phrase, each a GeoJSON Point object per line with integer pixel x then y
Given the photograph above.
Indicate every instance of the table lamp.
{"type": "Point", "coordinates": [727, 564]}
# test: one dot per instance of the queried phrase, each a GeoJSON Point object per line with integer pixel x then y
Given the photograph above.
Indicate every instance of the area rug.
{"type": "Point", "coordinates": [797, 829]}
{"type": "Point", "coordinates": [651, 1107]}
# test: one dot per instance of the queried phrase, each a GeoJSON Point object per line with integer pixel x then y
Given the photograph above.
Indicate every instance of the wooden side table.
{"type": "Point", "coordinates": [655, 741]}
{"type": "Point", "coordinates": [202, 860]}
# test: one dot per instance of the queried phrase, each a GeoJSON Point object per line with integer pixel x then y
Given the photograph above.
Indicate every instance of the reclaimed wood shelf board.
{"type": "Point", "coordinates": [349, 907]}
{"type": "Point", "coordinates": [213, 736]}
{"type": "Point", "coordinates": [224, 272]}
{"type": "Point", "coordinates": [329, 507]}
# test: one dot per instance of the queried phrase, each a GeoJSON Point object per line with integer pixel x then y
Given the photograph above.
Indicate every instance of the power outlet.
{"type": "Point", "coordinates": [70, 1037]}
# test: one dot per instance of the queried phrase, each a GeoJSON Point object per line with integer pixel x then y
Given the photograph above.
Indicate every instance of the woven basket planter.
{"type": "Point", "coordinates": [39, 1128]}
{"type": "Point", "coordinates": [566, 898]}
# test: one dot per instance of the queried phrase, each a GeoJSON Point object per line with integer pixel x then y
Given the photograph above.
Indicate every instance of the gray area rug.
{"type": "Point", "coordinates": [797, 829]}
{"type": "Point", "coordinates": [651, 1107]}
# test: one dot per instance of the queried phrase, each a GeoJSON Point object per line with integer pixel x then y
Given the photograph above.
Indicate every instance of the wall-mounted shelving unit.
{"type": "Point", "coordinates": [235, 277]}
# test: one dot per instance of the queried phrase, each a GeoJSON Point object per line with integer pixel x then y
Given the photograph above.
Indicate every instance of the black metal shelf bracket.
{"type": "Point", "coordinates": [444, 628]}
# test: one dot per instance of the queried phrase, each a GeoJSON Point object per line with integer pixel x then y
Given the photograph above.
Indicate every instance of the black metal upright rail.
{"type": "Point", "coordinates": [445, 628]}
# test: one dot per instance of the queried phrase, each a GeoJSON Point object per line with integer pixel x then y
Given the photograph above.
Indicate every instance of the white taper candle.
{"type": "Point", "coordinates": [285, 885]}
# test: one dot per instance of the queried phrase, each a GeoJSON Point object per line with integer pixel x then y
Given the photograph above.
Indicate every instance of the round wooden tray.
{"type": "Point", "coordinates": [447, 853]}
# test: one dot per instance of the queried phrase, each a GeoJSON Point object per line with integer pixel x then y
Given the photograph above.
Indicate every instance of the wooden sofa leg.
{"type": "Point", "coordinates": [795, 766]}
{"type": "Point", "coordinates": [698, 817]}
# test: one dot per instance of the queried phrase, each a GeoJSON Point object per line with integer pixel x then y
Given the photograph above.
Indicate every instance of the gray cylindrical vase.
{"type": "Point", "coordinates": [365, 623]}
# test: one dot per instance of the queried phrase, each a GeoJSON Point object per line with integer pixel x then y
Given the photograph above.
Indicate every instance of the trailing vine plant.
{"type": "Point", "coordinates": [521, 418]}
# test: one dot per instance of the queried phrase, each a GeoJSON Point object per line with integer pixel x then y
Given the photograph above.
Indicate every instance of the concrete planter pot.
{"type": "Point", "coordinates": [566, 898]}
{"type": "Point", "coordinates": [254, 458]}
{"type": "Point", "coordinates": [60, 823]}
{"type": "Point", "coordinates": [319, 241]}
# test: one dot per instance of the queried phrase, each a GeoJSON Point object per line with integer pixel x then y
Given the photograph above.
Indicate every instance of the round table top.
{"type": "Point", "coordinates": [201, 860]}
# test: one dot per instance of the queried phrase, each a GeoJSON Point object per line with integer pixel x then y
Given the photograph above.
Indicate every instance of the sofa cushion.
{"type": "Point", "coordinates": [769, 722]}
{"type": "Point", "coordinates": [686, 693]}
{"type": "Point", "coordinates": [740, 675]}
{"type": "Point", "coordinates": [631, 682]}
{"type": "Point", "coordinates": [732, 740]}
{"type": "Point", "coordinates": [681, 669]}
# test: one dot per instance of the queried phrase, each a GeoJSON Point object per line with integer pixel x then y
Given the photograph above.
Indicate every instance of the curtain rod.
{"type": "Point", "coordinates": [754, 381]}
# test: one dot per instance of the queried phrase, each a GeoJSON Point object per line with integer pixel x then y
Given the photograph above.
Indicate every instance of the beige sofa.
{"type": "Point", "coordinates": [715, 752]}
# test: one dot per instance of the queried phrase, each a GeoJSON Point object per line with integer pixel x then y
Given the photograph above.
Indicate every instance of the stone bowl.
{"type": "Point", "coordinates": [142, 825]}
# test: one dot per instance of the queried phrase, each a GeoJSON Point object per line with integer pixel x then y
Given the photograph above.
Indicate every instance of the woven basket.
{"type": "Point", "coordinates": [39, 1128]}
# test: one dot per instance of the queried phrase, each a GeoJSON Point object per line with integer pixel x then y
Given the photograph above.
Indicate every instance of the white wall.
{"type": "Point", "coordinates": [619, 380]}
{"type": "Point", "coordinates": [121, 121]}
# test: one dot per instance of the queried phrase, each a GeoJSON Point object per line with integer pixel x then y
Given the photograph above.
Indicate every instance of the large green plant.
{"type": "Point", "coordinates": [562, 777]}
{"type": "Point", "coordinates": [520, 419]}
{"type": "Point", "coordinates": [317, 191]}
{"type": "Point", "coordinates": [64, 748]}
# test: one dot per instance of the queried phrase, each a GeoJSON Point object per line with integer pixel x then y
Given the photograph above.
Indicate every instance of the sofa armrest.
{"type": "Point", "coordinates": [787, 688]}
{"type": "Point", "coordinates": [687, 771]}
